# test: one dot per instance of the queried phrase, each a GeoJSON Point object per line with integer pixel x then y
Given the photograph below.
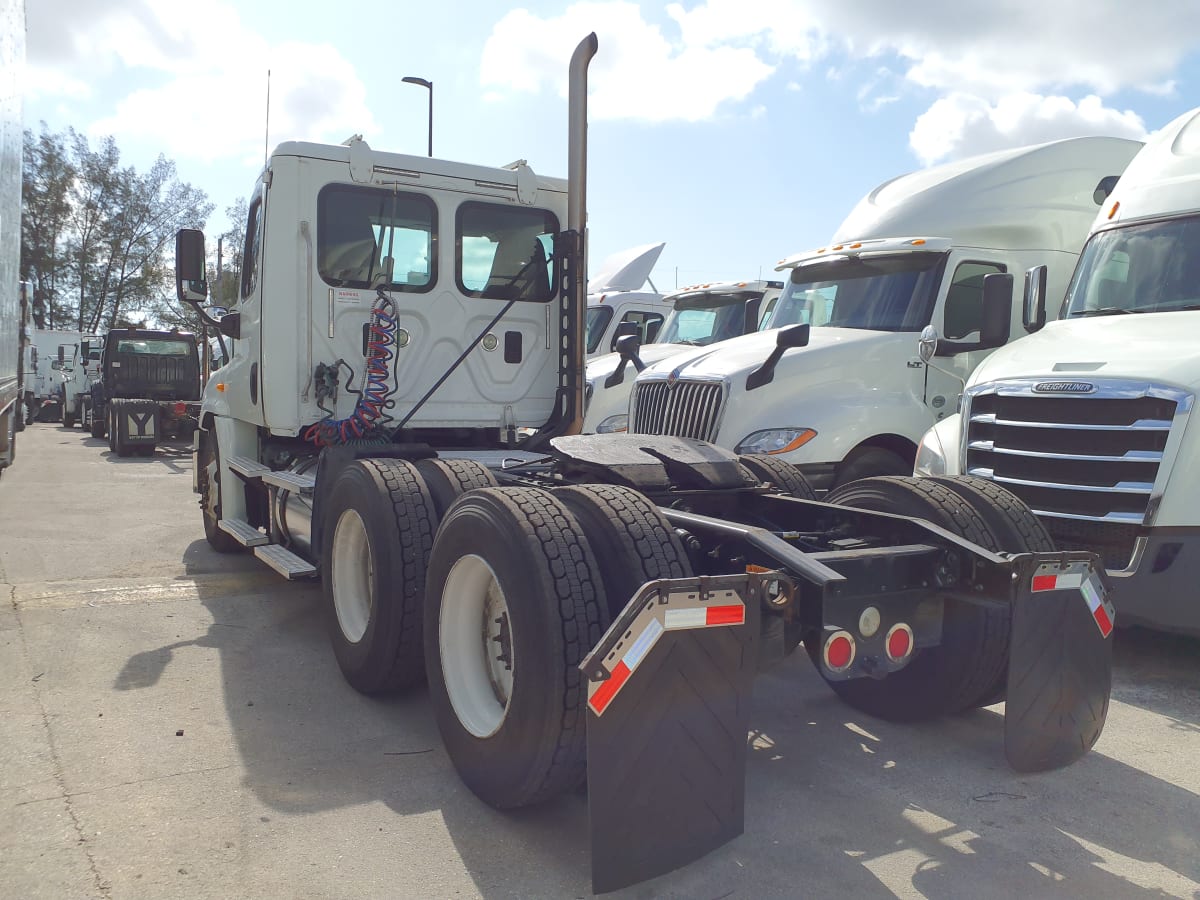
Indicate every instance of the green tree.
{"type": "Point", "coordinates": [47, 174]}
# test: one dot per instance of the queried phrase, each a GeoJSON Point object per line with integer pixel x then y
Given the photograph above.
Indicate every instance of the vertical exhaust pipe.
{"type": "Point", "coordinates": [577, 207]}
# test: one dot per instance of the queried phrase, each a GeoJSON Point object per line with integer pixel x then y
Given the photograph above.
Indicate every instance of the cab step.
{"type": "Point", "coordinates": [250, 468]}
{"type": "Point", "coordinates": [243, 532]}
{"type": "Point", "coordinates": [291, 481]}
{"type": "Point", "coordinates": [285, 562]}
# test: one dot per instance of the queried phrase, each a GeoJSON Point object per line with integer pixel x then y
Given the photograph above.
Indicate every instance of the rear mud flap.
{"type": "Point", "coordinates": [137, 421]}
{"type": "Point", "coordinates": [669, 689]}
{"type": "Point", "coordinates": [1060, 660]}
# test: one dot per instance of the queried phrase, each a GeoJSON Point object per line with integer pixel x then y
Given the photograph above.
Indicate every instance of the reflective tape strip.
{"type": "Point", "coordinates": [686, 618]}
{"type": "Point", "coordinates": [644, 642]}
{"type": "Point", "coordinates": [1057, 582]}
{"type": "Point", "coordinates": [726, 615]}
{"type": "Point", "coordinates": [608, 689]}
{"type": "Point", "coordinates": [1102, 610]}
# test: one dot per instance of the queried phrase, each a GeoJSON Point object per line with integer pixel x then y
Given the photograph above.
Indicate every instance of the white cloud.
{"type": "Point", "coordinates": [963, 125]}
{"type": "Point", "coordinates": [189, 89]}
{"type": "Point", "coordinates": [638, 75]}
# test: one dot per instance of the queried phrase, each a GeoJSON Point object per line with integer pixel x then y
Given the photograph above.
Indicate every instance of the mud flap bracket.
{"type": "Point", "coordinates": [1060, 660]}
{"type": "Point", "coordinates": [669, 689]}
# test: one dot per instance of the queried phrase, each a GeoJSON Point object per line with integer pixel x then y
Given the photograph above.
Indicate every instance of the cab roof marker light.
{"type": "Point", "coordinates": [917, 242]}
{"type": "Point", "coordinates": [1112, 212]}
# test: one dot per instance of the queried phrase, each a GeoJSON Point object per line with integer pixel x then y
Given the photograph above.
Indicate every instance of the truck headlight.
{"type": "Point", "coordinates": [931, 457]}
{"type": "Point", "coordinates": [613, 424]}
{"type": "Point", "coordinates": [775, 440]}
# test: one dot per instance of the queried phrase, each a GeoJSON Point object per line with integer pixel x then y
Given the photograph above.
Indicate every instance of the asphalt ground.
{"type": "Point", "coordinates": [174, 724]}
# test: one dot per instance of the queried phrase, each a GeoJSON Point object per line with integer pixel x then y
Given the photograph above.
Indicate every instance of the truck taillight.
{"type": "Point", "coordinates": [839, 651]}
{"type": "Point", "coordinates": [180, 409]}
{"type": "Point", "coordinates": [899, 642]}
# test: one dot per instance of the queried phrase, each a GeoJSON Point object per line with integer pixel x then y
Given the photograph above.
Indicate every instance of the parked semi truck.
{"type": "Point", "coordinates": [616, 298]}
{"type": "Point", "coordinates": [12, 305]}
{"type": "Point", "coordinates": [47, 355]}
{"type": "Point", "coordinates": [701, 315]}
{"type": "Point", "coordinates": [562, 592]}
{"type": "Point", "coordinates": [848, 397]}
{"type": "Point", "coordinates": [148, 389]}
{"type": "Point", "coordinates": [1087, 420]}
{"type": "Point", "coordinates": [82, 372]}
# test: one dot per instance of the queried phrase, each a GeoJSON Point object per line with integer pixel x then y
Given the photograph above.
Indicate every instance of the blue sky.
{"type": "Point", "coordinates": [738, 131]}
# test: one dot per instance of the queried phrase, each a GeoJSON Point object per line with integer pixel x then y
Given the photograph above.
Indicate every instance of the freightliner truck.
{"type": "Point", "coordinates": [849, 397]}
{"type": "Point", "coordinates": [399, 420]}
{"type": "Point", "coordinates": [1088, 419]}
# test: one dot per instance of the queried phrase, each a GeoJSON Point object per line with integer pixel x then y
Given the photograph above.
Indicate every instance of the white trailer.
{"type": "Point", "coordinates": [401, 418]}
{"type": "Point", "coordinates": [840, 393]}
{"type": "Point", "coordinates": [13, 305]}
{"type": "Point", "coordinates": [1087, 420]}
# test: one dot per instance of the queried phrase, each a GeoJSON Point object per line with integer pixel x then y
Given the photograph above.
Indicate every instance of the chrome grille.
{"type": "Point", "coordinates": [1086, 463]}
{"type": "Point", "coordinates": [686, 409]}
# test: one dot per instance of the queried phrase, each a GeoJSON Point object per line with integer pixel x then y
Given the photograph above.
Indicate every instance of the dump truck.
{"type": "Point", "coordinates": [562, 594]}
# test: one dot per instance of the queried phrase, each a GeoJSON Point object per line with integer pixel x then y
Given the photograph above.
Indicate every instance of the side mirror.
{"type": "Point", "coordinates": [628, 346]}
{"type": "Point", "coordinates": [996, 316]}
{"type": "Point", "coordinates": [190, 278]}
{"type": "Point", "coordinates": [789, 338]}
{"type": "Point", "coordinates": [928, 344]}
{"type": "Point", "coordinates": [62, 354]}
{"type": "Point", "coordinates": [85, 349]}
{"type": "Point", "coordinates": [1033, 311]}
{"type": "Point", "coordinates": [230, 325]}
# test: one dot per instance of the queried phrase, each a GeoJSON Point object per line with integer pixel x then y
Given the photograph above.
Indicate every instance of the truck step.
{"type": "Point", "coordinates": [251, 468]}
{"type": "Point", "coordinates": [285, 562]}
{"type": "Point", "coordinates": [291, 481]}
{"type": "Point", "coordinates": [243, 532]}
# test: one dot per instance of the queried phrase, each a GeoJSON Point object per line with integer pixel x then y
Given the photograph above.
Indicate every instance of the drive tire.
{"type": "Point", "coordinates": [116, 435]}
{"type": "Point", "coordinates": [376, 540]}
{"type": "Point", "coordinates": [868, 462]}
{"type": "Point", "coordinates": [778, 473]}
{"type": "Point", "coordinates": [208, 453]}
{"type": "Point", "coordinates": [68, 419]}
{"type": "Point", "coordinates": [516, 735]}
{"type": "Point", "coordinates": [1016, 529]}
{"type": "Point", "coordinates": [97, 425]}
{"type": "Point", "coordinates": [449, 479]}
{"type": "Point", "coordinates": [110, 427]}
{"type": "Point", "coordinates": [973, 654]}
{"type": "Point", "coordinates": [631, 539]}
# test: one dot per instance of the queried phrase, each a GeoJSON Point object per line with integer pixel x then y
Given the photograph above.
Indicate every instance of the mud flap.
{"type": "Point", "coordinates": [1060, 660]}
{"type": "Point", "coordinates": [669, 689]}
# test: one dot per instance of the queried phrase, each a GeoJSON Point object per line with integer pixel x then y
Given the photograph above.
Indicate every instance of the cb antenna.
{"type": "Point", "coordinates": [267, 124]}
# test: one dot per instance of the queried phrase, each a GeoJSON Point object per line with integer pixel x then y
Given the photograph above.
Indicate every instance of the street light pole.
{"type": "Point", "coordinates": [412, 79]}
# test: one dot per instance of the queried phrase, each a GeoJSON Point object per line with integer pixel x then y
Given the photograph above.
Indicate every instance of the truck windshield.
{"type": "Point", "coordinates": [1152, 267]}
{"type": "Point", "coordinates": [706, 319]}
{"type": "Point", "coordinates": [155, 348]}
{"type": "Point", "coordinates": [883, 293]}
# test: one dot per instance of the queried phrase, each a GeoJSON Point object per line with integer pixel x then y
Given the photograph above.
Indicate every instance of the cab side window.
{"type": "Point", "coordinates": [963, 313]}
{"type": "Point", "coordinates": [252, 249]}
{"type": "Point", "coordinates": [648, 323]}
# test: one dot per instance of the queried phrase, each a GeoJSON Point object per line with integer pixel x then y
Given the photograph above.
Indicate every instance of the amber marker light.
{"type": "Point", "coordinates": [796, 443]}
{"type": "Point", "coordinates": [220, 387]}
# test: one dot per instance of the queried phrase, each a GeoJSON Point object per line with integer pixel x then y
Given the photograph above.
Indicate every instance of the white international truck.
{"type": "Point", "coordinates": [840, 392]}
{"type": "Point", "coordinates": [12, 297]}
{"type": "Point", "coordinates": [701, 315]}
{"type": "Point", "coordinates": [616, 299]}
{"type": "Point", "coordinates": [1088, 419]}
{"type": "Point", "coordinates": [400, 419]}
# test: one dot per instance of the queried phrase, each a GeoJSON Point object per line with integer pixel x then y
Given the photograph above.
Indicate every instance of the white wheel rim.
{"type": "Point", "coordinates": [478, 680]}
{"type": "Point", "coordinates": [353, 573]}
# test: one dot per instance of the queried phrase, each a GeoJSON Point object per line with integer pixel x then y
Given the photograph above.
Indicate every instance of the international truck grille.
{"type": "Point", "coordinates": [689, 409]}
{"type": "Point", "coordinates": [1086, 463]}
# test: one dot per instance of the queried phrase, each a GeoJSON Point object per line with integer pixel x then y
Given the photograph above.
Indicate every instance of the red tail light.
{"type": "Point", "coordinates": [899, 642]}
{"type": "Point", "coordinates": [839, 651]}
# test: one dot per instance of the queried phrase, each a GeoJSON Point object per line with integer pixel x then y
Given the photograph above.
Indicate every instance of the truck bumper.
{"type": "Point", "coordinates": [1158, 589]}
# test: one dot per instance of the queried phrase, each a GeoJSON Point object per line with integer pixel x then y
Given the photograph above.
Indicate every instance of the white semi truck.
{"type": "Point", "coordinates": [82, 372]}
{"type": "Point", "coordinates": [47, 361]}
{"type": "Point", "coordinates": [1088, 419]}
{"type": "Point", "coordinates": [616, 299]}
{"type": "Point", "coordinates": [400, 419]}
{"type": "Point", "coordinates": [841, 393]}
{"type": "Point", "coordinates": [701, 315]}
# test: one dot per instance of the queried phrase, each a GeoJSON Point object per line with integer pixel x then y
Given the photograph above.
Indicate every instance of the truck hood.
{"type": "Point", "coordinates": [626, 270]}
{"type": "Point", "coordinates": [1146, 346]}
{"type": "Point", "coordinates": [742, 355]}
{"type": "Point", "coordinates": [603, 366]}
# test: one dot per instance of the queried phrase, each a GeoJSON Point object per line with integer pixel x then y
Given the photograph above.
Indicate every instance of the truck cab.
{"type": "Point", "coordinates": [836, 388]}
{"type": "Point", "coordinates": [701, 315]}
{"type": "Point", "coordinates": [1087, 419]}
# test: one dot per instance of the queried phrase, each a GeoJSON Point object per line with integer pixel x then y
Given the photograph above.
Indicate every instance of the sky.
{"type": "Point", "coordinates": [737, 131]}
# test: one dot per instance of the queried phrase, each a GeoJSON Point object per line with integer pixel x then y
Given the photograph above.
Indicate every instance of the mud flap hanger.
{"type": "Point", "coordinates": [669, 689]}
{"type": "Point", "coordinates": [1059, 659]}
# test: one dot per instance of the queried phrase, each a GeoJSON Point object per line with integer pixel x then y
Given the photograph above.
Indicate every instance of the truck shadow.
{"type": "Point", "coordinates": [175, 455]}
{"type": "Point", "coordinates": [836, 802]}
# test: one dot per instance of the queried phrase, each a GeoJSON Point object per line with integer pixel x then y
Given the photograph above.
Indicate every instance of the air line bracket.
{"type": "Point", "coordinates": [669, 689]}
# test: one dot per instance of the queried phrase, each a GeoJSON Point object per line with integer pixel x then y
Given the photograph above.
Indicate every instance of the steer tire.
{"type": "Point", "coordinates": [779, 474]}
{"type": "Point", "coordinates": [509, 700]}
{"type": "Point", "coordinates": [68, 419]}
{"type": "Point", "coordinates": [632, 540]}
{"type": "Point", "coordinates": [449, 479]}
{"type": "Point", "coordinates": [1017, 530]}
{"type": "Point", "coordinates": [209, 453]}
{"type": "Point", "coordinates": [377, 536]}
{"type": "Point", "coordinates": [954, 675]}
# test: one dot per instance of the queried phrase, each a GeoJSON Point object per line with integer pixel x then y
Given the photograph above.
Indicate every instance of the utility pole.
{"type": "Point", "coordinates": [216, 292]}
